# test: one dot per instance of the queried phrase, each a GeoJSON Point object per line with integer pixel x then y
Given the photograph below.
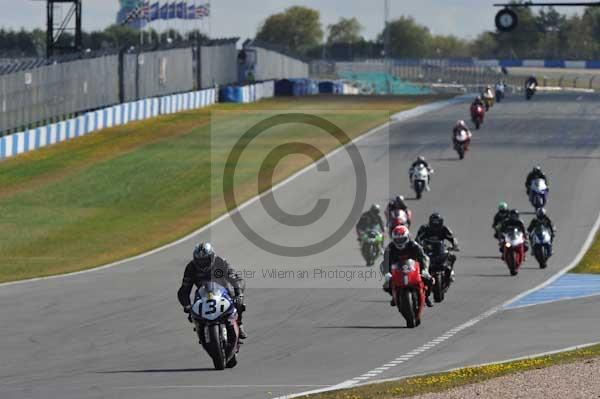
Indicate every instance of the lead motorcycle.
{"type": "Point", "coordinates": [514, 250]}
{"type": "Point", "coordinates": [440, 267]}
{"type": "Point", "coordinates": [419, 178]}
{"type": "Point", "coordinates": [371, 244]}
{"type": "Point", "coordinates": [538, 193]}
{"type": "Point", "coordinates": [215, 321]}
{"type": "Point", "coordinates": [461, 142]}
{"type": "Point", "coordinates": [408, 291]}
{"type": "Point", "coordinates": [541, 241]}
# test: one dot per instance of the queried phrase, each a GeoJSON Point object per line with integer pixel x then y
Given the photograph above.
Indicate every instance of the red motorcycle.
{"type": "Point", "coordinates": [408, 291]}
{"type": "Point", "coordinates": [477, 114]}
{"type": "Point", "coordinates": [399, 217]}
{"type": "Point", "coordinates": [514, 250]}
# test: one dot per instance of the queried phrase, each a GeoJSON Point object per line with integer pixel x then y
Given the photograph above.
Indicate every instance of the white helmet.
{"type": "Point", "coordinates": [400, 236]}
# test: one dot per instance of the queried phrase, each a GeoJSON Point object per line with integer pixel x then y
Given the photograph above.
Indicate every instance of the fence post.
{"type": "Point", "coordinates": [592, 81]}
{"type": "Point", "coordinates": [122, 75]}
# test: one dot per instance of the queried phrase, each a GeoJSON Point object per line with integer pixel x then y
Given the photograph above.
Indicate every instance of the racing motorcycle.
{"type": "Point", "coordinates": [215, 321]}
{"type": "Point", "coordinates": [541, 241]}
{"type": "Point", "coordinates": [514, 250]}
{"type": "Point", "coordinates": [488, 101]}
{"type": "Point", "coordinates": [371, 244]}
{"type": "Point", "coordinates": [399, 217]}
{"type": "Point", "coordinates": [538, 193]}
{"type": "Point", "coordinates": [530, 90]}
{"type": "Point", "coordinates": [408, 291]}
{"type": "Point", "coordinates": [477, 114]}
{"type": "Point", "coordinates": [461, 142]}
{"type": "Point", "coordinates": [440, 267]}
{"type": "Point", "coordinates": [499, 92]}
{"type": "Point", "coordinates": [419, 178]}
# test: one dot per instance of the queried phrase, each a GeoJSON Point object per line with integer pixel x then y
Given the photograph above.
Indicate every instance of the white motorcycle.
{"type": "Point", "coordinates": [215, 321]}
{"type": "Point", "coordinates": [538, 193]}
{"type": "Point", "coordinates": [461, 142]}
{"type": "Point", "coordinates": [541, 240]}
{"type": "Point", "coordinates": [419, 179]}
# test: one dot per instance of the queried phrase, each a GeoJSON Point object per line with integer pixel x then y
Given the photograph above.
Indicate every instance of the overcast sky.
{"type": "Point", "coordinates": [464, 18]}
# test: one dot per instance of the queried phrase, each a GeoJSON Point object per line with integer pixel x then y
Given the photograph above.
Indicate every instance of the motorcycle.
{"type": "Point", "coordinates": [408, 291]}
{"type": "Point", "coordinates": [399, 217]}
{"type": "Point", "coordinates": [514, 250]}
{"type": "Point", "coordinates": [215, 321]}
{"type": "Point", "coordinates": [477, 115]}
{"type": "Point", "coordinates": [461, 143]}
{"type": "Point", "coordinates": [530, 91]}
{"type": "Point", "coordinates": [541, 240]}
{"type": "Point", "coordinates": [419, 178]}
{"type": "Point", "coordinates": [371, 244]}
{"type": "Point", "coordinates": [440, 267]}
{"type": "Point", "coordinates": [499, 94]}
{"type": "Point", "coordinates": [538, 193]}
{"type": "Point", "coordinates": [488, 101]}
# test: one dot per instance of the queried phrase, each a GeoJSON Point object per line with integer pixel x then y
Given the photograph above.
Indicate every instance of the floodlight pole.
{"type": "Point", "coordinates": [53, 34]}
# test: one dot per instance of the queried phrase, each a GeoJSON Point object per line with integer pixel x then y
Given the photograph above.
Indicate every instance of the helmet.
{"type": "Point", "coordinates": [375, 208]}
{"type": "Point", "coordinates": [204, 255]}
{"type": "Point", "coordinates": [514, 214]}
{"type": "Point", "coordinates": [400, 236]}
{"type": "Point", "coordinates": [398, 199]}
{"type": "Point", "coordinates": [421, 158]}
{"type": "Point", "coordinates": [460, 123]}
{"type": "Point", "coordinates": [478, 98]}
{"type": "Point", "coordinates": [503, 207]}
{"type": "Point", "coordinates": [537, 168]}
{"type": "Point", "coordinates": [436, 221]}
{"type": "Point", "coordinates": [540, 213]}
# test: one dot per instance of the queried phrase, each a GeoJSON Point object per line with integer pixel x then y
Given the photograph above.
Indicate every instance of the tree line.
{"type": "Point", "coordinates": [544, 33]}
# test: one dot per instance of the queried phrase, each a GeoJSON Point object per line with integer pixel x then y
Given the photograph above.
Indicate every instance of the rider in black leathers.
{"type": "Point", "coordinates": [513, 221]}
{"type": "Point", "coordinates": [403, 248]}
{"type": "Point", "coordinates": [500, 217]}
{"type": "Point", "coordinates": [368, 220]}
{"type": "Point", "coordinates": [530, 80]}
{"type": "Point", "coordinates": [536, 173]}
{"type": "Point", "coordinates": [397, 204]}
{"type": "Point", "coordinates": [541, 219]}
{"type": "Point", "coordinates": [437, 231]}
{"type": "Point", "coordinates": [207, 266]}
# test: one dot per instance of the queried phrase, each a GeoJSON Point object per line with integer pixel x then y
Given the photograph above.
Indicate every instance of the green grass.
{"type": "Point", "coordinates": [444, 381]}
{"type": "Point", "coordinates": [591, 260]}
{"type": "Point", "coordinates": [129, 189]}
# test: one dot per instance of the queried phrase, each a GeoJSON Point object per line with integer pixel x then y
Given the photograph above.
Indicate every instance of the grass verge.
{"type": "Point", "coordinates": [591, 260]}
{"type": "Point", "coordinates": [129, 189]}
{"type": "Point", "coordinates": [444, 381]}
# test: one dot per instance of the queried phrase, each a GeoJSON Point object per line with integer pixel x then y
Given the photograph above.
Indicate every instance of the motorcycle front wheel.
{"type": "Point", "coordinates": [406, 306]}
{"type": "Point", "coordinates": [216, 348]}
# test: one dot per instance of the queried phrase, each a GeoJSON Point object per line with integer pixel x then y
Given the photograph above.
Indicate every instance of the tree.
{"type": "Point", "coordinates": [524, 40]}
{"type": "Point", "coordinates": [297, 29]}
{"type": "Point", "coordinates": [484, 46]}
{"type": "Point", "coordinates": [346, 30]}
{"type": "Point", "coordinates": [407, 38]}
{"type": "Point", "coordinates": [449, 47]}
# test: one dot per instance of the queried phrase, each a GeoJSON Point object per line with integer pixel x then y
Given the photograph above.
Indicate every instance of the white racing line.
{"type": "Point", "coordinates": [399, 117]}
{"type": "Point", "coordinates": [370, 375]}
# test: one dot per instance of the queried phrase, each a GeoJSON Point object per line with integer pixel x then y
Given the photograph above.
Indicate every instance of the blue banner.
{"type": "Point", "coordinates": [181, 10]}
{"type": "Point", "coordinates": [164, 11]}
{"type": "Point", "coordinates": [172, 10]}
{"type": "Point", "coordinates": [154, 12]}
{"type": "Point", "coordinates": [191, 14]}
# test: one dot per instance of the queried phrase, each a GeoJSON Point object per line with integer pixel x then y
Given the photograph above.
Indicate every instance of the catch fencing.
{"type": "Point", "coordinates": [50, 91]}
{"type": "Point", "coordinates": [265, 64]}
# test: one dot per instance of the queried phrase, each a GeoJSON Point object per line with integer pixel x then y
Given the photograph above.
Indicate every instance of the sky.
{"type": "Point", "coordinates": [240, 18]}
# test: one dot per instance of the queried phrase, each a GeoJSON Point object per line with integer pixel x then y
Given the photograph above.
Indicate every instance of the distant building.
{"type": "Point", "coordinates": [125, 8]}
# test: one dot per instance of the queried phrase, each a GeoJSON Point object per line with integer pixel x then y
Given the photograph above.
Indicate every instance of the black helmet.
{"type": "Point", "coordinates": [513, 214]}
{"type": "Point", "coordinates": [204, 255]}
{"type": "Point", "coordinates": [540, 213]}
{"type": "Point", "coordinates": [436, 221]}
{"type": "Point", "coordinates": [537, 168]}
{"type": "Point", "coordinates": [399, 199]}
{"type": "Point", "coordinates": [421, 158]}
{"type": "Point", "coordinates": [375, 209]}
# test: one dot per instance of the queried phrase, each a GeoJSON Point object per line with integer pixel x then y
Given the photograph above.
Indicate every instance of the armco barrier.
{"type": "Point", "coordinates": [247, 94]}
{"type": "Point", "coordinates": [121, 114]}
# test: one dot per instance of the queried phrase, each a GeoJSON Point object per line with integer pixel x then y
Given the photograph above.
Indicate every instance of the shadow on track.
{"type": "Point", "coordinates": [193, 370]}
{"type": "Point", "coordinates": [480, 257]}
{"type": "Point", "coordinates": [583, 157]}
{"type": "Point", "coordinates": [453, 159]}
{"type": "Point", "coordinates": [367, 327]}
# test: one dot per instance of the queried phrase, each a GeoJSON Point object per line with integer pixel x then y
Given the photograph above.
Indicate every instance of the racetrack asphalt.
{"type": "Point", "coordinates": [120, 332]}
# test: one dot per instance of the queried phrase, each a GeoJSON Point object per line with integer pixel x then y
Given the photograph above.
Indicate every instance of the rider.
{"type": "Point", "coordinates": [477, 101]}
{"type": "Point", "coordinates": [207, 266]}
{"type": "Point", "coordinates": [397, 204]}
{"type": "Point", "coordinates": [499, 218]}
{"type": "Point", "coordinates": [500, 86]}
{"type": "Point", "coordinates": [531, 80]}
{"type": "Point", "coordinates": [421, 161]}
{"type": "Point", "coordinates": [436, 231]}
{"type": "Point", "coordinates": [541, 219]}
{"type": "Point", "coordinates": [536, 173]}
{"type": "Point", "coordinates": [368, 220]}
{"type": "Point", "coordinates": [514, 220]}
{"type": "Point", "coordinates": [403, 248]}
{"type": "Point", "coordinates": [461, 125]}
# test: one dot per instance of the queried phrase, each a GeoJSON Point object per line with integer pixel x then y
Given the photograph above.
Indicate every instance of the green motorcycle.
{"type": "Point", "coordinates": [371, 245]}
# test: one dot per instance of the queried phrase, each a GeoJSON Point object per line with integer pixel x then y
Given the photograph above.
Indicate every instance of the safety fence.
{"type": "Point", "coordinates": [89, 122]}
